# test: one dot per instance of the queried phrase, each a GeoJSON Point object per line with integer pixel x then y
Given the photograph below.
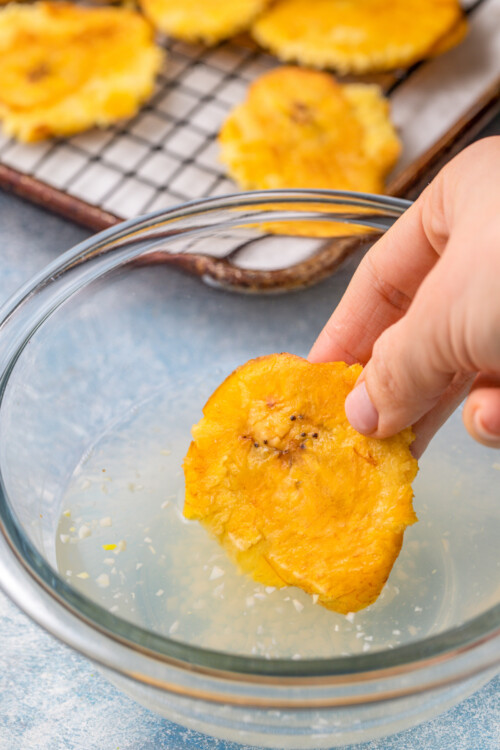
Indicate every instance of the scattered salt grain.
{"type": "Point", "coordinates": [69, 573]}
{"type": "Point", "coordinates": [84, 531]}
{"type": "Point", "coordinates": [216, 573]}
{"type": "Point", "coordinates": [114, 608]}
{"type": "Point", "coordinates": [82, 575]}
{"type": "Point", "coordinates": [396, 632]}
{"type": "Point", "coordinates": [412, 630]}
{"type": "Point", "coordinates": [270, 589]}
{"type": "Point", "coordinates": [106, 521]}
{"type": "Point", "coordinates": [152, 549]}
{"type": "Point", "coordinates": [64, 538]}
{"type": "Point", "coordinates": [315, 598]}
{"type": "Point", "coordinates": [418, 609]}
{"type": "Point", "coordinates": [366, 647]}
{"type": "Point", "coordinates": [219, 589]}
{"type": "Point", "coordinates": [165, 452]}
{"type": "Point", "coordinates": [174, 627]}
{"type": "Point", "coordinates": [249, 601]}
{"type": "Point", "coordinates": [148, 540]}
{"type": "Point", "coordinates": [103, 580]}
{"type": "Point", "coordinates": [298, 605]}
{"type": "Point", "coordinates": [322, 722]}
{"type": "Point", "coordinates": [160, 592]}
{"type": "Point", "coordinates": [165, 504]}
{"type": "Point", "coordinates": [139, 566]}
{"type": "Point", "coordinates": [350, 617]}
{"type": "Point", "coordinates": [108, 561]}
{"type": "Point", "coordinates": [296, 657]}
{"type": "Point", "coordinates": [121, 546]}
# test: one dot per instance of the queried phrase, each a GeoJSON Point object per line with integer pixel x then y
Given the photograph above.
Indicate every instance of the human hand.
{"type": "Point", "coordinates": [422, 312]}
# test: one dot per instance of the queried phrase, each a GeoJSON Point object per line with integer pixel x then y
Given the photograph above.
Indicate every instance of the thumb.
{"type": "Point", "coordinates": [410, 368]}
{"type": "Point", "coordinates": [481, 413]}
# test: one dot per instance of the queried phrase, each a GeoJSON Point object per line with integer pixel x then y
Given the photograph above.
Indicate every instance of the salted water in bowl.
{"type": "Point", "coordinates": [99, 412]}
{"type": "Point", "coordinates": [122, 540]}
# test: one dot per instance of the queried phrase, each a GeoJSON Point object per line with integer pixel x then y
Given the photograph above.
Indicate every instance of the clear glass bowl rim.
{"type": "Point", "coordinates": [458, 639]}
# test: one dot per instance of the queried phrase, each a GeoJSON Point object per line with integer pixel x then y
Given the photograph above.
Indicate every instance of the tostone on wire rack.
{"type": "Point", "coordinates": [168, 153]}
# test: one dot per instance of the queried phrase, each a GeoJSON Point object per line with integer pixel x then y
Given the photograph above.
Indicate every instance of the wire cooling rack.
{"type": "Point", "coordinates": [168, 153]}
{"type": "Point", "coordinates": [164, 156]}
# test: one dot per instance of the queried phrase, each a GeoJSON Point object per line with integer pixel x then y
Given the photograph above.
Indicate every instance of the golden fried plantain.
{"type": "Point", "coordinates": [66, 68]}
{"type": "Point", "coordinates": [301, 129]}
{"type": "Point", "coordinates": [292, 492]}
{"type": "Point", "coordinates": [208, 21]}
{"type": "Point", "coordinates": [356, 36]}
{"type": "Point", "coordinates": [318, 228]}
{"type": "Point", "coordinates": [451, 39]}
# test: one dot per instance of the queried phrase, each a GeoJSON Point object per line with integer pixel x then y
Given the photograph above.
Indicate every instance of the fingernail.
{"type": "Point", "coordinates": [360, 411]}
{"type": "Point", "coordinates": [488, 433]}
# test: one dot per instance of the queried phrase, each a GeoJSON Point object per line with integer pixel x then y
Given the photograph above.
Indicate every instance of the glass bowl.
{"type": "Point", "coordinates": [106, 359]}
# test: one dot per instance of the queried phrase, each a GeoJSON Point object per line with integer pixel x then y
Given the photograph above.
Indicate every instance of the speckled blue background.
{"type": "Point", "coordinates": [53, 699]}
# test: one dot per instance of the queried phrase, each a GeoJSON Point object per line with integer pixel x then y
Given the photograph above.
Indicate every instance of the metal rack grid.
{"type": "Point", "coordinates": [165, 155]}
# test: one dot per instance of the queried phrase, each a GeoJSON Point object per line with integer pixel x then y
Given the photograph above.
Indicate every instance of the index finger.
{"type": "Point", "coordinates": [380, 291]}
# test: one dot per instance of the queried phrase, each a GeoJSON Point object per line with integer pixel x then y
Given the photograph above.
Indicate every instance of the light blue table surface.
{"type": "Point", "coordinates": [53, 699]}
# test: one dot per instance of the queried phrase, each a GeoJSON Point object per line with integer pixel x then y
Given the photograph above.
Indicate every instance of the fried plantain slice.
{"type": "Point", "coordinates": [317, 228]}
{"type": "Point", "coordinates": [296, 496]}
{"type": "Point", "coordinates": [301, 129]}
{"type": "Point", "coordinates": [356, 36]}
{"type": "Point", "coordinates": [451, 39]}
{"type": "Point", "coordinates": [208, 21]}
{"type": "Point", "coordinates": [66, 68]}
